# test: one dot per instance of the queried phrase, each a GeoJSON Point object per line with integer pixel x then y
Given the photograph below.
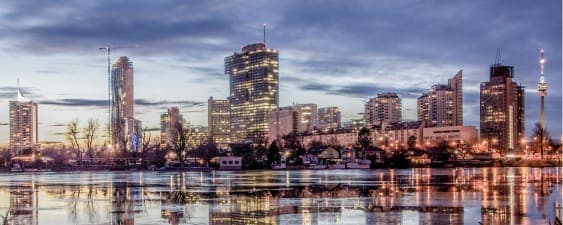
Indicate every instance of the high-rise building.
{"type": "Point", "coordinates": [502, 110]}
{"type": "Point", "coordinates": [385, 108]}
{"type": "Point", "coordinates": [122, 100]}
{"type": "Point", "coordinates": [254, 84]}
{"type": "Point", "coordinates": [168, 126]}
{"type": "Point", "coordinates": [443, 104]}
{"type": "Point", "coordinates": [282, 122]}
{"type": "Point", "coordinates": [23, 125]}
{"type": "Point", "coordinates": [328, 118]}
{"type": "Point", "coordinates": [218, 122]}
{"type": "Point", "coordinates": [456, 85]}
{"type": "Point", "coordinates": [306, 116]}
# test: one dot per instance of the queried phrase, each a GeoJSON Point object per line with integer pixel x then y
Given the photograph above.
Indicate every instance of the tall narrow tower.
{"type": "Point", "coordinates": [542, 91]}
{"type": "Point", "coordinates": [122, 101]}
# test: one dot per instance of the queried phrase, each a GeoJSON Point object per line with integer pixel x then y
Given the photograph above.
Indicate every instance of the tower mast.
{"type": "Point", "coordinates": [542, 92]}
{"type": "Point", "coordinates": [264, 37]}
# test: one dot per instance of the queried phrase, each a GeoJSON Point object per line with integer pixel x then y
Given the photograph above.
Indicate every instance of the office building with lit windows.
{"type": "Point", "coordinates": [218, 122]}
{"type": "Point", "coordinates": [254, 86]}
{"type": "Point", "coordinates": [502, 110]}
{"type": "Point", "coordinates": [385, 108]}
{"type": "Point", "coordinates": [306, 116]}
{"type": "Point", "coordinates": [328, 119]}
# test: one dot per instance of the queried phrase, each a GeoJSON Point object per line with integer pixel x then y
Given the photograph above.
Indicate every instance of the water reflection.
{"type": "Point", "coordinates": [413, 196]}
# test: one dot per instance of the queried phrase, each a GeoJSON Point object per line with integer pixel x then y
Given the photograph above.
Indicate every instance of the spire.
{"type": "Point", "coordinates": [542, 85]}
{"type": "Point", "coordinates": [20, 96]}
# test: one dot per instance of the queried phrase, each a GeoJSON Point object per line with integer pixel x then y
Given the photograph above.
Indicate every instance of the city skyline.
{"type": "Point", "coordinates": [68, 77]}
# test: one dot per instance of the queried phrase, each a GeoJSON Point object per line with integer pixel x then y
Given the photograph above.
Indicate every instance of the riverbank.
{"type": "Point", "coordinates": [534, 163]}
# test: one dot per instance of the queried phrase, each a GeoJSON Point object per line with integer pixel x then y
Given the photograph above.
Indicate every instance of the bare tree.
{"type": "Point", "coordinates": [540, 139]}
{"type": "Point", "coordinates": [119, 139]}
{"type": "Point", "coordinates": [72, 132]}
{"type": "Point", "coordinates": [90, 134]}
{"type": "Point", "coordinates": [180, 140]}
{"type": "Point", "coordinates": [148, 143]}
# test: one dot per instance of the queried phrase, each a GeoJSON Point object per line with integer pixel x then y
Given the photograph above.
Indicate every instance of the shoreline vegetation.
{"type": "Point", "coordinates": [121, 166]}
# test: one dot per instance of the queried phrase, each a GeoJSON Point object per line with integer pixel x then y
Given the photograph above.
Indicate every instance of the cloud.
{"type": "Point", "coordinates": [4, 124]}
{"type": "Point", "coordinates": [10, 92]}
{"type": "Point", "coordinates": [358, 90]}
{"type": "Point", "coordinates": [355, 49]}
{"type": "Point", "coordinates": [184, 103]}
{"type": "Point", "coordinates": [83, 102]}
{"type": "Point", "coordinates": [58, 125]}
{"type": "Point", "coordinates": [72, 27]}
{"type": "Point", "coordinates": [47, 72]}
{"type": "Point", "coordinates": [76, 102]}
{"type": "Point", "coordinates": [57, 133]}
{"type": "Point", "coordinates": [152, 129]}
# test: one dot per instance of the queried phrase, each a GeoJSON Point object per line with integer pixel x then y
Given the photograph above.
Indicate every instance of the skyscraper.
{"type": "Point", "coordinates": [443, 104]}
{"type": "Point", "coordinates": [385, 108]}
{"type": "Point", "coordinates": [306, 116]}
{"type": "Point", "coordinates": [502, 110]}
{"type": "Point", "coordinates": [219, 122]}
{"type": "Point", "coordinates": [254, 84]}
{"type": "Point", "coordinates": [168, 126]}
{"type": "Point", "coordinates": [328, 118]}
{"type": "Point", "coordinates": [23, 125]}
{"type": "Point", "coordinates": [122, 100]}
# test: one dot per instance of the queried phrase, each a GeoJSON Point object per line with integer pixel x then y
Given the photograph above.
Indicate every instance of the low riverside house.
{"type": "Point", "coordinates": [310, 159]}
{"type": "Point", "coordinates": [230, 162]}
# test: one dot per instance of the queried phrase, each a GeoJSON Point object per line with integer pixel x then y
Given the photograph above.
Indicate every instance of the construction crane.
{"type": "Point", "coordinates": [108, 49]}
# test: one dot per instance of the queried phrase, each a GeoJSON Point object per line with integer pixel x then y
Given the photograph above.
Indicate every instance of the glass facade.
{"type": "Point", "coordinates": [219, 122]}
{"type": "Point", "coordinates": [254, 87]}
{"type": "Point", "coordinates": [122, 100]}
{"type": "Point", "coordinates": [329, 118]}
{"type": "Point", "coordinates": [502, 110]}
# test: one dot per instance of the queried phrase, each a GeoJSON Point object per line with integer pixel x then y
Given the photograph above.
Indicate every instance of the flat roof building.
{"type": "Point", "coordinates": [502, 110]}
{"type": "Point", "coordinates": [254, 86]}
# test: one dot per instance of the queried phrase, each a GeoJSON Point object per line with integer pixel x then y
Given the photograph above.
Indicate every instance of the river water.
{"type": "Point", "coordinates": [385, 196]}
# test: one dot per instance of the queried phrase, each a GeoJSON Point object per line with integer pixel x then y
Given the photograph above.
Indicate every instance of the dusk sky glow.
{"type": "Point", "coordinates": [333, 54]}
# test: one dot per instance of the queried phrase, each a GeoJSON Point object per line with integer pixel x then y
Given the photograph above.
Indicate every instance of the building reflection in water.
{"type": "Point", "coordinates": [23, 204]}
{"type": "Point", "coordinates": [422, 196]}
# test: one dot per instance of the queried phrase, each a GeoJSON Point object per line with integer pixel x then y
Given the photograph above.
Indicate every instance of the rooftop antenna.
{"type": "Point", "coordinates": [264, 37]}
{"type": "Point", "coordinates": [497, 57]}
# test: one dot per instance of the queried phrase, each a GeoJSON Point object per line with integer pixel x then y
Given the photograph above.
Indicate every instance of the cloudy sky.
{"type": "Point", "coordinates": [331, 53]}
